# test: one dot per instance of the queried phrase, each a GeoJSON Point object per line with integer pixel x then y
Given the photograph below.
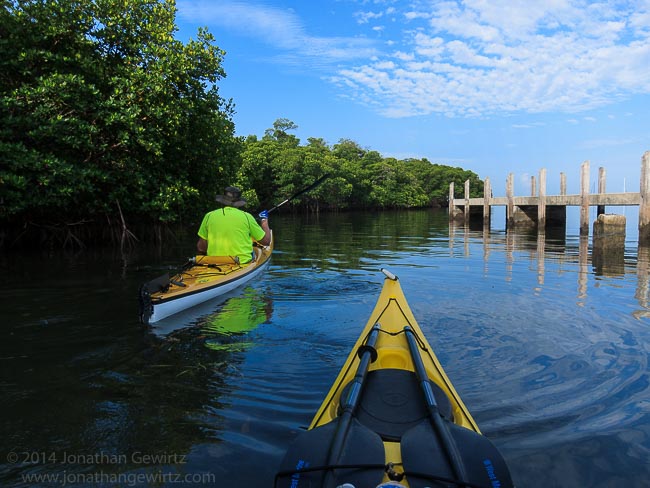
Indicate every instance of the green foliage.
{"type": "Point", "coordinates": [103, 113]}
{"type": "Point", "coordinates": [279, 132]}
{"type": "Point", "coordinates": [100, 107]}
{"type": "Point", "coordinates": [277, 166]}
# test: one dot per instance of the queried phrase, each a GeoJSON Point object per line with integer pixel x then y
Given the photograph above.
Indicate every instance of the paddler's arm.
{"type": "Point", "coordinates": [264, 224]}
{"type": "Point", "coordinates": [202, 246]}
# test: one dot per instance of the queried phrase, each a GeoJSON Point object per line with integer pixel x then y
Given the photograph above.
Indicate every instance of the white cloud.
{"type": "Point", "coordinates": [462, 58]}
{"type": "Point", "coordinates": [404, 56]}
{"type": "Point", "coordinates": [365, 17]}
{"type": "Point", "coordinates": [480, 57]}
{"type": "Point", "coordinates": [415, 15]}
{"type": "Point", "coordinates": [281, 28]}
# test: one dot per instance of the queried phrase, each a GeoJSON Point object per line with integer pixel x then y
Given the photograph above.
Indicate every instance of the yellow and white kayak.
{"type": "Point", "coordinates": [202, 278]}
{"type": "Point", "coordinates": [392, 415]}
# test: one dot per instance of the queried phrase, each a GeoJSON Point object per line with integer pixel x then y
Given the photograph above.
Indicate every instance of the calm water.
{"type": "Point", "coordinates": [546, 341]}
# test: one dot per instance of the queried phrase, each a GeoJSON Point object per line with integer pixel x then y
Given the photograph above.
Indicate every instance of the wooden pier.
{"type": "Point", "coordinates": [542, 211]}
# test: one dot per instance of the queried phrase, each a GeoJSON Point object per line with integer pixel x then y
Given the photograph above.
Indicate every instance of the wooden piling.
{"type": "Point", "coordinates": [584, 199]}
{"type": "Point", "coordinates": [487, 196]}
{"type": "Point", "coordinates": [455, 213]}
{"type": "Point", "coordinates": [510, 195]}
{"type": "Point", "coordinates": [601, 189]}
{"type": "Point", "coordinates": [608, 254]}
{"type": "Point", "coordinates": [467, 202]}
{"type": "Point", "coordinates": [562, 184]}
{"type": "Point", "coordinates": [541, 208]}
{"type": "Point", "coordinates": [644, 206]}
{"type": "Point", "coordinates": [533, 186]}
{"type": "Point", "coordinates": [452, 207]}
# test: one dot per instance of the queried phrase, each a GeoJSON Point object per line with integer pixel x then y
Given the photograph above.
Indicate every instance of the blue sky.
{"type": "Point", "coordinates": [494, 86]}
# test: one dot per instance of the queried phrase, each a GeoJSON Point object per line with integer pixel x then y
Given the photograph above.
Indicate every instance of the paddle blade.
{"type": "Point", "coordinates": [423, 454]}
{"type": "Point", "coordinates": [310, 450]}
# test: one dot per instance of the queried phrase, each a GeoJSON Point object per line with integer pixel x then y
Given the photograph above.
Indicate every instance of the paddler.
{"type": "Point", "coordinates": [229, 231]}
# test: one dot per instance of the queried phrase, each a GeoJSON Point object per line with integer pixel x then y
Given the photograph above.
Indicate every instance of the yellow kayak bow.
{"type": "Point", "coordinates": [392, 415]}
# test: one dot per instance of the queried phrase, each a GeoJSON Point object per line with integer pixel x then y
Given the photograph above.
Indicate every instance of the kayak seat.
{"type": "Point", "coordinates": [392, 402]}
{"type": "Point", "coordinates": [215, 260]}
{"type": "Point", "coordinates": [311, 448]}
{"type": "Point", "coordinates": [422, 454]}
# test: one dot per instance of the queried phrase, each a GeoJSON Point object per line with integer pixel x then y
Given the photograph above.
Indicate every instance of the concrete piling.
{"type": "Point", "coordinates": [609, 244]}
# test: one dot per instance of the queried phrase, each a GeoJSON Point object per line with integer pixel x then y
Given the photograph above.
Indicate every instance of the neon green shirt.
{"type": "Point", "coordinates": [229, 231]}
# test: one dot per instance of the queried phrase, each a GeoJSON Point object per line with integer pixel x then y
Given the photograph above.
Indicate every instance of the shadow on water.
{"type": "Point", "coordinates": [544, 338]}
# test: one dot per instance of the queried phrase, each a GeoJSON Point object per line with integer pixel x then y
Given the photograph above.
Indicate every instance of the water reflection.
{"type": "Point", "coordinates": [605, 258]}
{"type": "Point", "coordinates": [641, 293]}
{"type": "Point", "coordinates": [229, 328]}
{"type": "Point", "coordinates": [349, 241]}
{"type": "Point", "coordinates": [554, 314]}
{"type": "Point", "coordinates": [583, 267]}
{"type": "Point", "coordinates": [89, 390]}
{"type": "Point", "coordinates": [545, 343]}
{"type": "Point", "coordinates": [124, 394]}
{"type": "Point", "coordinates": [239, 306]}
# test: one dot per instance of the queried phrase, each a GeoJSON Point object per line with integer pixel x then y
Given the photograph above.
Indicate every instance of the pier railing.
{"type": "Point", "coordinates": [541, 210]}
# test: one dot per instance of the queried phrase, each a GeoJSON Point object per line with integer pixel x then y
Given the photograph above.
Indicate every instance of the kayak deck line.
{"type": "Point", "coordinates": [392, 414]}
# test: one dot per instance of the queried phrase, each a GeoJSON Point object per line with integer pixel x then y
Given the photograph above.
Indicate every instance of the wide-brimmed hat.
{"type": "Point", "coordinates": [231, 197]}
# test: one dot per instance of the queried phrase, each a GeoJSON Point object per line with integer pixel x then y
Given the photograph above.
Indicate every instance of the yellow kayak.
{"type": "Point", "coordinates": [202, 278]}
{"type": "Point", "coordinates": [392, 416]}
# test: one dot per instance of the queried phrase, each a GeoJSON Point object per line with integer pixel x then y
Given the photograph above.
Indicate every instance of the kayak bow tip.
{"type": "Point", "coordinates": [388, 274]}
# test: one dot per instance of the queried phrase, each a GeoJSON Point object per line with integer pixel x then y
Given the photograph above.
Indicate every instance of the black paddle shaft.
{"type": "Point", "coordinates": [304, 190]}
{"type": "Point", "coordinates": [353, 396]}
{"type": "Point", "coordinates": [453, 454]}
